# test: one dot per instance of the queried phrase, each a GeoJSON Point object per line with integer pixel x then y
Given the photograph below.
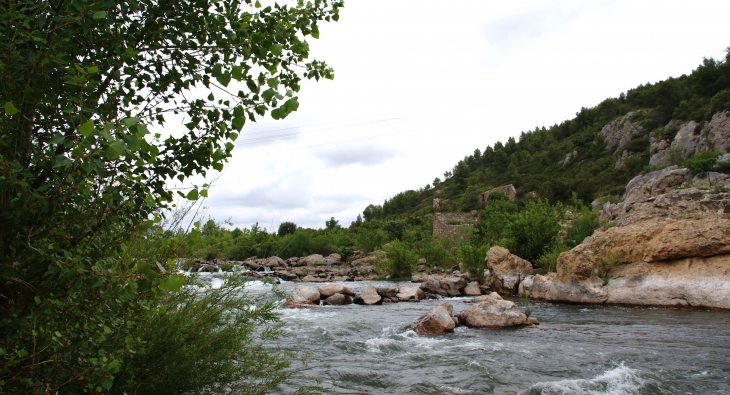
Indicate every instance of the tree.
{"type": "Point", "coordinates": [332, 223]}
{"type": "Point", "coordinates": [286, 228]}
{"type": "Point", "coordinates": [86, 88]}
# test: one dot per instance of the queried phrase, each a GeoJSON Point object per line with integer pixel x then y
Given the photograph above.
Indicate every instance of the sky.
{"type": "Point", "coordinates": [421, 84]}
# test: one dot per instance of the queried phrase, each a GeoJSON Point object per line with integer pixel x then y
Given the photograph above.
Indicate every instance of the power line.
{"type": "Point", "coordinates": [294, 135]}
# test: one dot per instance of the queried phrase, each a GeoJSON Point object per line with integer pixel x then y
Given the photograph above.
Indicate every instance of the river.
{"type": "Point", "coordinates": [576, 349]}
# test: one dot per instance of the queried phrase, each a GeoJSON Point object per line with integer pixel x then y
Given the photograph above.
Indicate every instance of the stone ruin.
{"type": "Point", "coordinates": [508, 190]}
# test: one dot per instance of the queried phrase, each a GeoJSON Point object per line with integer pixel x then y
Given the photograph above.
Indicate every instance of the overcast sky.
{"type": "Point", "coordinates": [420, 84]}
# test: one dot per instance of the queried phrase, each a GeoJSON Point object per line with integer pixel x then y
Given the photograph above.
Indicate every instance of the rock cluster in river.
{"type": "Point", "coordinates": [491, 312]}
{"type": "Point", "coordinates": [338, 294]}
{"type": "Point", "coordinates": [313, 268]}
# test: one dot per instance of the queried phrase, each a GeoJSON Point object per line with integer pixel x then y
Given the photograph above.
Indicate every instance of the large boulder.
{"type": "Point", "coordinates": [312, 260]}
{"type": "Point", "coordinates": [472, 289]}
{"type": "Point", "coordinates": [494, 312]}
{"type": "Point", "coordinates": [328, 290]}
{"type": "Point", "coordinates": [368, 296]}
{"type": "Point", "coordinates": [435, 322]}
{"type": "Point", "coordinates": [303, 296]}
{"type": "Point", "coordinates": [389, 294]}
{"type": "Point", "coordinates": [338, 300]}
{"type": "Point", "coordinates": [506, 270]}
{"type": "Point", "coordinates": [410, 293]}
{"type": "Point", "coordinates": [432, 286]}
{"type": "Point", "coordinates": [274, 262]}
{"type": "Point", "coordinates": [452, 285]}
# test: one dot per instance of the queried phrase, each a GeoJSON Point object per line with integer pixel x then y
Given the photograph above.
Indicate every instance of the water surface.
{"type": "Point", "coordinates": [577, 349]}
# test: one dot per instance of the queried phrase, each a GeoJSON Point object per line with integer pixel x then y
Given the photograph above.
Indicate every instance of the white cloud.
{"type": "Point", "coordinates": [420, 84]}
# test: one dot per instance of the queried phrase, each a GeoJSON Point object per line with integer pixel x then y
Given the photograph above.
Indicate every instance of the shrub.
{"type": "Point", "coordinates": [208, 342]}
{"type": "Point", "coordinates": [472, 260]}
{"type": "Point", "coordinates": [533, 230]}
{"type": "Point", "coordinates": [549, 259]}
{"type": "Point", "coordinates": [401, 260]}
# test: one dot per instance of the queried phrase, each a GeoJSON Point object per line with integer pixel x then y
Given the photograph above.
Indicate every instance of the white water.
{"type": "Point", "coordinates": [592, 350]}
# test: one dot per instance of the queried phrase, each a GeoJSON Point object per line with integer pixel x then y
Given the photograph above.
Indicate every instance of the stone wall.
{"type": "Point", "coordinates": [508, 190]}
{"type": "Point", "coordinates": [453, 224]}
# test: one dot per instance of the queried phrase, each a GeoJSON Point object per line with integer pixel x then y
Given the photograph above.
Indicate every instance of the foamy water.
{"type": "Point", "coordinates": [576, 349]}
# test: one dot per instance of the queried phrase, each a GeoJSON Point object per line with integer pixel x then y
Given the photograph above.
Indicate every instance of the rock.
{"type": "Point", "coordinates": [368, 296]}
{"type": "Point", "coordinates": [422, 261]}
{"type": "Point", "coordinates": [372, 259]}
{"type": "Point", "coordinates": [303, 296]}
{"type": "Point", "coordinates": [387, 292]}
{"type": "Point", "coordinates": [312, 260]}
{"type": "Point", "coordinates": [620, 131]}
{"type": "Point", "coordinates": [493, 312]}
{"type": "Point", "coordinates": [328, 290]}
{"type": "Point", "coordinates": [410, 293]}
{"type": "Point", "coordinates": [432, 285]}
{"type": "Point", "coordinates": [275, 261]}
{"type": "Point", "coordinates": [506, 270]}
{"type": "Point", "coordinates": [472, 289]}
{"type": "Point", "coordinates": [338, 300]}
{"type": "Point", "coordinates": [332, 259]}
{"type": "Point", "coordinates": [419, 277]}
{"type": "Point", "coordinates": [286, 275]}
{"type": "Point", "coordinates": [435, 322]}
{"type": "Point", "coordinates": [452, 285]}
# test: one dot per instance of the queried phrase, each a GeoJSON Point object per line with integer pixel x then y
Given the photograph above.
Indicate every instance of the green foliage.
{"type": "Point", "coordinates": [583, 224]}
{"type": "Point", "coordinates": [401, 260]}
{"type": "Point", "coordinates": [470, 199]}
{"type": "Point", "coordinates": [472, 260]}
{"type": "Point", "coordinates": [82, 176]}
{"type": "Point", "coordinates": [495, 218]}
{"type": "Point", "coordinates": [549, 259]}
{"type": "Point", "coordinates": [437, 253]}
{"type": "Point", "coordinates": [533, 230]}
{"type": "Point", "coordinates": [702, 162]}
{"type": "Point", "coordinates": [332, 224]}
{"type": "Point", "coordinates": [286, 228]}
{"type": "Point", "coordinates": [208, 342]}
{"type": "Point", "coordinates": [605, 265]}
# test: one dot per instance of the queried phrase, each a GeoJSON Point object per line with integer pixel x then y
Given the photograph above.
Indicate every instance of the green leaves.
{"type": "Point", "coordinates": [99, 15]}
{"type": "Point", "coordinates": [115, 150]}
{"type": "Point", "coordinates": [172, 283]}
{"type": "Point", "coordinates": [192, 195]}
{"type": "Point", "coordinates": [238, 122]}
{"type": "Point", "coordinates": [10, 108]}
{"type": "Point", "coordinates": [86, 128]}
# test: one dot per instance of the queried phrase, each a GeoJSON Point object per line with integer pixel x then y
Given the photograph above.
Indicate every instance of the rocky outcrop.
{"type": "Point", "coordinates": [389, 294]}
{"type": "Point", "coordinates": [620, 131]}
{"type": "Point", "coordinates": [669, 193]}
{"type": "Point", "coordinates": [693, 137]}
{"type": "Point", "coordinates": [494, 312]}
{"type": "Point", "coordinates": [303, 296]}
{"type": "Point", "coordinates": [671, 248]}
{"type": "Point", "coordinates": [368, 296]}
{"type": "Point", "coordinates": [452, 285]}
{"type": "Point", "coordinates": [506, 270]}
{"type": "Point", "coordinates": [435, 322]}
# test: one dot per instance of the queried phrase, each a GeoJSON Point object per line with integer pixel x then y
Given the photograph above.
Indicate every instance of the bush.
{"type": "Point", "coordinates": [436, 254]}
{"type": "Point", "coordinates": [549, 259]}
{"type": "Point", "coordinates": [208, 343]}
{"type": "Point", "coordinates": [533, 230]}
{"type": "Point", "coordinates": [472, 260]}
{"type": "Point", "coordinates": [401, 260]}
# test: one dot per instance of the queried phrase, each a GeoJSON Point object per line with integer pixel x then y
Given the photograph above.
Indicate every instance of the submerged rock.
{"type": "Point", "coordinates": [494, 312]}
{"type": "Point", "coordinates": [435, 322]}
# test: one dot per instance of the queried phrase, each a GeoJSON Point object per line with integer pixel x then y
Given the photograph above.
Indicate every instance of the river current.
{"type": "Point", "coordinates": [576, 349]}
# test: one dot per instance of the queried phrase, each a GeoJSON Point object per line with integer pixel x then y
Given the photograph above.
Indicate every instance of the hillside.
{"type": "Point", "coordinates": [594, 154]}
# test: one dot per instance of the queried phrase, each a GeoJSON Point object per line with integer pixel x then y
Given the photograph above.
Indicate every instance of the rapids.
{"type": "Point", "coordinates": [577, 349]}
